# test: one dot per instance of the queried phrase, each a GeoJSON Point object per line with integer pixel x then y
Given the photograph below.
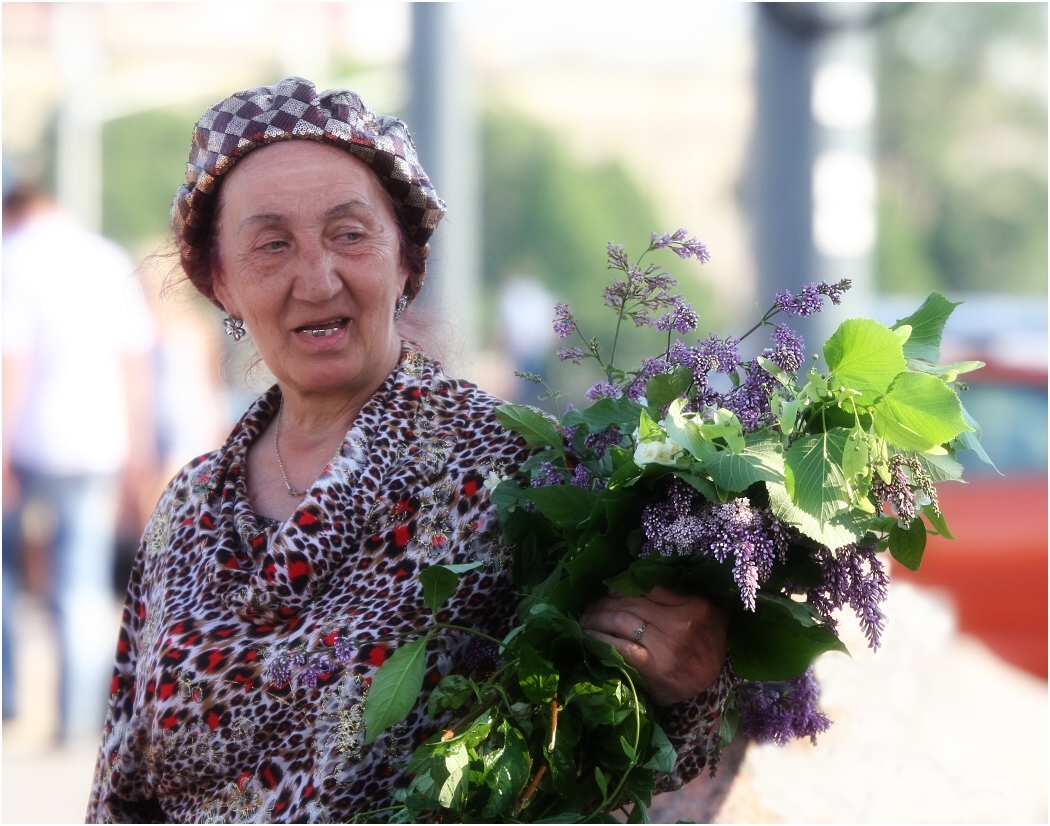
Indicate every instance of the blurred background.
{"type": "Point", "coordinates": [901, 145]}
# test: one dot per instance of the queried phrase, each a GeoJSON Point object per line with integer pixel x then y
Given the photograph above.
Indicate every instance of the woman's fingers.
{"type": "Point", "coordinates": [681, 646]}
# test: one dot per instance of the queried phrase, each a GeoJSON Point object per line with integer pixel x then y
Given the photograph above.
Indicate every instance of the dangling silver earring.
{"type": "Point", "coordinates": [400, 307]}
{"type": "Point", "coordinates": [234, 327]}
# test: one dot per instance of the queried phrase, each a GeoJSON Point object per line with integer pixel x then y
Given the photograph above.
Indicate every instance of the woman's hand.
{"type": "Point", "coordinates": [676, 642]}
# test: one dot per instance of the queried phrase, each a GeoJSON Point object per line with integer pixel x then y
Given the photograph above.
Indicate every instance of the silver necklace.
{"type": "Point", "coordinates": [277, 432]}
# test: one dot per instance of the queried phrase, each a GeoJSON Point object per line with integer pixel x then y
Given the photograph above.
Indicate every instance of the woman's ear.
{"type": "Point", "coordinates": [223, 296]}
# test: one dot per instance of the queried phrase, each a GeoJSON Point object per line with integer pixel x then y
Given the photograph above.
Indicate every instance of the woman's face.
{"type": "Point", "coordinates": [309, 258]}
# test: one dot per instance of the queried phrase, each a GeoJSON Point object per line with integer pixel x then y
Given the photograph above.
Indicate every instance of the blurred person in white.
{"type": "Point", "coordinates": [77, 340]}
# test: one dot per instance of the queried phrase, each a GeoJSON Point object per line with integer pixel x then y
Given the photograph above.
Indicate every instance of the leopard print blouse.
{"type": "Point", "coordinates": [247, 647]}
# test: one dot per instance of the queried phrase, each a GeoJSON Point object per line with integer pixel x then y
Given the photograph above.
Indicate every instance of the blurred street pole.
{"type": "Point", "coordinates": [814, 152]}
{"type": "Point", "coordinates": [443, 121]}
{"type": "Point", "coordinates": [78, 151]}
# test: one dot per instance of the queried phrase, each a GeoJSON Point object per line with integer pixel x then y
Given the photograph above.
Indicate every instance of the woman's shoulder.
{"type": "Point", "coordinates": [194, 476]}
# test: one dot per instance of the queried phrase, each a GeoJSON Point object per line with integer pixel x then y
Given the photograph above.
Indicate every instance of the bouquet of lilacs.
{"type": "Point", "coordinates": [771, 491]}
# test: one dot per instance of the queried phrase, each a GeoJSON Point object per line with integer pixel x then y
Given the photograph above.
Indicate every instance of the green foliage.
{"type": "Point", "coordinates": [143, 163]}
{"type": "Point", "coordinates": [395, 688]}
{"type": "Point", "coordinates": [963, 148]}
{"type": "Point", "coordinates": [563, 730]}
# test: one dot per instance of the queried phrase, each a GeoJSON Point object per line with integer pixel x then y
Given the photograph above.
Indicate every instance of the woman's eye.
{"type": "Point", "coordinates": [273, 245]}
{"type": "Point", "coordinates": [350, 235]}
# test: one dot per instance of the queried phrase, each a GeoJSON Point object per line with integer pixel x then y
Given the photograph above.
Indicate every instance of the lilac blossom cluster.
{"type": "Point", "coordinates": [853, 576]}
{"type": "Point", "coordinates": [781, 712]}
{"type": "Point", "coordinates": [750, 401]}
{"type": "Point", "coordinates": [602, 441]}
{"type": "Point", "coordinates": [546, 476]}
{"type": "Point", "coordinates": [687, 524]}
{"type": "Point", "coordinates": [810, 299]}
{"type": "Point", "coordinates": [683, 248]}
{"type": "Point", "coordinates": [283, 663]}
{"type": "Point", "coordinates": [481, 654]}
{"type": "Point", "coordinates": [905, 475]}
{"type": "Point", "coordinates": [564, 323]}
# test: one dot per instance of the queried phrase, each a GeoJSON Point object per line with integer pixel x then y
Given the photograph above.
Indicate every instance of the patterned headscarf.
{"type": "Point", "coordinates": [289, 110]}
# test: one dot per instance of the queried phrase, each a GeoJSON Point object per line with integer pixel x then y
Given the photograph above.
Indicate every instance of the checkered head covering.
{"type": "Point", "coordinates": [289, 110]}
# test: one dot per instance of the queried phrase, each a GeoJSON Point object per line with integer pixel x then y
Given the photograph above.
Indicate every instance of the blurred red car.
{"type": "Point", "coordinates": [996, 569]}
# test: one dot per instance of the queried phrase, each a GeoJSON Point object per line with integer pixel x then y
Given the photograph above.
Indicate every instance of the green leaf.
{"type": "Point", "coordinates": [452, 791]}
{"type": "Point", "coordinates": [918, 412]}
{"type": "Point", "coordinates": [864, 355]}
{"type": "Point", "coordinates": [761, 460]}
{"type": "Point", "coordinates": [937, 521]}
{"type": "Point", "coordinates": [602, 781]}
{"type": "Point", "coordinates": [686, 433]}
{"type": "Point", "coordinates": [440, 581]}
{"type": "Point", "coordinates": [945, 372]}
{"type": "Point", "coordinates": [395, 688]}
{"type": "Point", "coordinates": [564, 505]}
{"type": "Point", "coordinates": [927, 327]}
{"type": "Point", "coordinates": [834, 534]}
{"type": "Point", "coordinates": [605, 413]}
{"type": "Point", "coordinates": [648, 429]}
{"type": "Point", "coordinates": [507, 769]}
{"type": "Point", "coordinates": [907, 545]}
{"type": "Point", "coordinates": [941, 468]}
{"type": "Point", "coordinates": [971, 439]}
{"type": "Point", "coordinates": [664, 756]}
{"type": "Point", "coordinates": [449, 694]}
{"type": "Point", "coordinates": [814, 478]}
{"type": "Point", "coordinates": [855, 455]}
{"type": "Point", "coordinates": [534, 426]}
{"type": "Point", "coordinates": [537, 677]}
{"type": "Point", "coordinates": [772, 645]}
{"type": "Point", "coordinates": [665, 388]}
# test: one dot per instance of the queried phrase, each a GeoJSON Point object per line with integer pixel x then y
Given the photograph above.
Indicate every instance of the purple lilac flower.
{"type": "Point", "coordinates": [809, 300]}
{"type": "Point", "coordinates": [318, 665]}
{"type": "Point", "coordinates": [480, 653]}
{"type": "Point", "coordinates": [898, 492]}
{"type": "Point", "coordinates": [581, 477]}
{"type": "Point", "coordinates": [604, 390]}
{"type": "Point", "coordinates": [687, 524]}
{"type": "Point", "coordinates": [750, 401]}
{"type": "Point", "coordinates": [279, 667]}
{"type": "Point", "coordinates": [564, 323]}
{"type": "Point", "coordinates": [788, 351]}
{"type": "Point", "coordinates": [718, 355]}
{"type": "Point", "coordinates": [548, 475]}
{"type": "Point", "coordinates": [617, 257]}
{"type": "Point", "coordinates": [853, 576]}
{"type": "Point", "coordinates": [781, 712]}
{"type": "Point", "coordinates": [693, 248]}
{"type": "Point", "coordinates": [602, 441]}
{"type": "Point", "coordinates": [681, 318]}
{"type": "Point", "coordinates": [574, 354]}
{"type": "Point", "coordinates": [344, 648]}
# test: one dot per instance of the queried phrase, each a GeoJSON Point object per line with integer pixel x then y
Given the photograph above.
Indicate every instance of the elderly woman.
{"type": "Point", "coordinates": [275, 570]}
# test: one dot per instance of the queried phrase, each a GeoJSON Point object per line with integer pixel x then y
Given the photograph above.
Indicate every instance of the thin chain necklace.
{"type": "Point", "coordinates": [277, 432]}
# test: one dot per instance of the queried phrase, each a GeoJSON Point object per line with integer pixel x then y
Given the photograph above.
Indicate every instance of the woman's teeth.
{"type": "Point", "coordinates": [324, 330]}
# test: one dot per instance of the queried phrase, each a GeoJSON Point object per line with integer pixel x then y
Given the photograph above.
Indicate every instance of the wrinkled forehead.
{"type": "Point", "coordinates": [291, 176]}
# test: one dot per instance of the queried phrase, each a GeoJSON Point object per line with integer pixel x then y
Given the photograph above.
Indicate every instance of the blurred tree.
{"type": "Point", "coordinates": [963, 148]}
{"type": "Point", "coordinates": [144, 162]}
{"type": "Point", "coordinates": [549, 216]}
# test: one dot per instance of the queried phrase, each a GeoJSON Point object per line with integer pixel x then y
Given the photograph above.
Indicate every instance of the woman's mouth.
{"type": "Point", "coordinates": [324, 329]}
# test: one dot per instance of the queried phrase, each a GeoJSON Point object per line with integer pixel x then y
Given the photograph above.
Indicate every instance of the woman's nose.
{"type": "Point", "coordinates": [317, 279]}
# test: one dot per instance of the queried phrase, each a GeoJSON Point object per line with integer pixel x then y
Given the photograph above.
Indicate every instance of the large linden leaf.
{"type": "Point", "coordinates": [395, 688]}
{"type": "Point", "coordinates": [814, 474]}
{"type": "Point", "coordinates": [927, 326]}
{"type": "Point", "coordinates": [918, 412]}
{"type": "Point", "coordinates": [864, 355]}
{"type": "Point", "coordinates": [761, 460]}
